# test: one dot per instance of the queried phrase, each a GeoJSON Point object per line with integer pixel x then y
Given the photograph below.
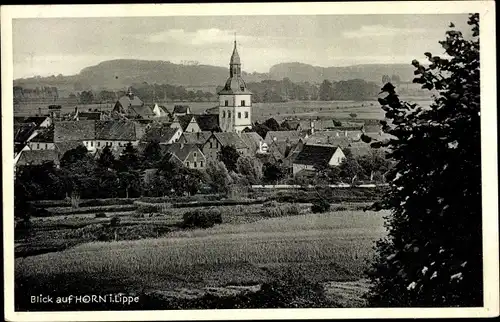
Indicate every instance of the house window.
{"type": "Point", "coordinates": [246, 115]}
{"type": "Point", "coordinates": [38, 145]}
{"type": "Point", "coordinates": [201, 164]}
{"type": "Point", "coordinates": [223, 114]}
{"type": "Point", "coordinates": [239, 115]}
{"type": "Point", "coordinates": [192, 130]}
{"type": "Point", "coordinates": [91, 143]}
{"type": "Point", "coordinates": [111, 143]}
{"type": "Point", "coordinates": [229, 114]}
{"type": "Point", "coordinates": [195, 154]}
{"type": "Point", "coordinates": [226, 103]}
{"type": "Point", "coordinates": [243, 103]}
{"type": "Point", "coordinates": [99, 144]}
{"type": "Point", "coordinates": [195, 164]}
{"type": "Point", "coordinates": [211, 145]}
{"type": "Point", "coordinates": [187, 164]}
{"type": "Point", "coordinates": [46, 145]}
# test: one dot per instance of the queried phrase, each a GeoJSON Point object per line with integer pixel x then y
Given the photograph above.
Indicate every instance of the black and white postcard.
{"type": "Point", "coordinates": [249, 161]}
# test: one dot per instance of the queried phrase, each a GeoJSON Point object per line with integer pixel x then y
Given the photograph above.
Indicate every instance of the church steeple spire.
{"type": "Point", "coordinates": [235, 64]}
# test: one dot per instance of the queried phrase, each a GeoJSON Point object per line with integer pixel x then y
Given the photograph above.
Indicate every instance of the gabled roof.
{"type": "Point", "coordinates": [315, 155]}
{"type": "Point", "coordinates": [181, 109]}
{"type": "Point", "coordinates": [230, 139]}
{"type": "Point", "coordinates": [208, 122]}
{"type": "Point", "coordinates": [196, 138]}
{"type": "Point", "coordinates": [128, 101]}
{"type": "Point", "coordinates": [31, 119]}
{"type": "Point", "coordinates": [159, 133]}
{"type": "Point", "coordinates": [44, 135]}
{"type": "Point", "coordinates": [34, 157]}
{"type": "Point", "coordinates": [23, 131]}
{"type": "Point", "coordinates": [115, 130]}
{"type": "Point", "coordinates": [74, 130]}
{"type": "Point", "coordinates": [184, 120]}
{"type": "Point", "coordinates": [182, 151]}
{"type": "Point", "coordinates": [252, 140]}
{"type": "Point", "coordinates": [290, 136]}
{"type": "Point", "coordinates": [141, 111]}
{"type": "Point", "coordinates": [360, 149]}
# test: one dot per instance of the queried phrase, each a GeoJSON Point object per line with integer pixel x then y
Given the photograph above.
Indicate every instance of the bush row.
{"type": "Point", "coordinates": [201, 218]}
{"type": "Point", "coordinates": [272, 210]}
{"type": "Point", "coordinates": [86, 210]}
{"type": "Point", "coordinates": [82, 202]}
{"type": "Point", "coordinates": [199, 197]}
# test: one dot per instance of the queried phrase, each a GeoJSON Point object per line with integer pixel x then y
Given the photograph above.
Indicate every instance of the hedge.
{"type": "Point", "coordinates": [89, 210]}
{"type": "Point", "coordinates": [83, 202]}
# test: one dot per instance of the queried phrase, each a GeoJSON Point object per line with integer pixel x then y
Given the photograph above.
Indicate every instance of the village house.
{"type": "Point", "coordinates": [283, 136]}
{"type": "Point", "coordinates": [117, 133]}
{"type": "Point", "coordinates": [160, 111]}
{"type": "Point", "coordinates": [199, 138]}
{"type": "Point", "coordinates": [162, 134]}
{"type": "Point", "coordinates": [39, 121]}
{"type": "Point", "coordinates": [221, 139]}
{"type": "Point", "coordinates": [44, 140]}
{"type": "Point", "coordinates": [78, 131]}
{"type": "Point", "coordinates": [37, 157]}
{"type": "Point", "coordinates": [313, 157]}
{"type": "Point", "coordinates": [187, 123]}
{"type": "Point", "coordinates": [254, 142]}
{"type": "Point", "coordinates": [131, 106]}
{"type": "Point", "coordinates": [207, 122]}
{"type": "Point", "coordinates": [187, 155]}
{"type": "Point", "coordinates": [180, 110]}
{"type": "Point", "coordinates": [23, 134]}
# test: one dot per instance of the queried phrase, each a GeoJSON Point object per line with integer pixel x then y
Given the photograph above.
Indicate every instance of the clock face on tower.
{"type": "Point", "coordinates": [235, 100]}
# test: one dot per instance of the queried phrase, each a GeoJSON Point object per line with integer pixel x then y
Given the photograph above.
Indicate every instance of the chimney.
{"type": "Point", "coordinates": [182, 146]}
{"type": "Point", "coordinates": [345, 133]}
{"type": "Point", "coordinates": [337, 134]}
{"type": "Point", "coordinates": [39, 111]}
{"type": "Point", "coordinates": [312, 126]}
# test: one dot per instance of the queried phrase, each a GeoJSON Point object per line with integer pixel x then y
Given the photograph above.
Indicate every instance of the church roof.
{"type": "Point", "coordinates": [235, 85]}
{"type": "Point", "coordinates": [235, 58]}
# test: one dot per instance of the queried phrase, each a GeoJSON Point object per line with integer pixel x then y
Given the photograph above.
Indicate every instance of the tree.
{"type": "Point", "coordinates": [433, 253]}
{"type": "Point", "coordinates": [130, 158]}
{"type": "Point", "coordinates": [353, 115]}
{"type": "Point", "coordinates": [229, 155]}
{"type": "Point", "coordinates": [106, 159]}
{"type": "Point", "coordinates": [349, 168]}
{"type": "Point", "coordinates": [251, 168]}
{"type": "Point", "coordinates": [218, 177]}
{"type": "Point", "coordinates": [325, 91]}
{"type": "Point", "coordinates": [272, 172]}
{"type": "Point", "coordinates": [272, 124]}
{"type": "Point", "coordinates": [86, 97]}
{"type": "Point", "coordinates": [74, 155]}
{"type": "Point", "coordinates": [386, 79]}
{"type": "Point", "coordinates": [152, 154]}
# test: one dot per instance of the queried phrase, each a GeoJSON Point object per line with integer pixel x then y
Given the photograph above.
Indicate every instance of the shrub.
{"type": "Point", "coordinates": [202, 218]}
{"type": "Point", "coordinates": [100, 215]}
{"type": "Point", "coordinates": [115, 221]}
{"type": "Point", "coordinates": [320, 206]}
{"type": "Point", "coordinates": [148, 207]}
{"type": "Point", "coordinates": [281, 211]}
{"type": "Point", "coordinates": [89, 210]}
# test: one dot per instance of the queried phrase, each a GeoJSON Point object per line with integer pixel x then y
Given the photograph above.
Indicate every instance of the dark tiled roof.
{"type": "Point", "coordinates": [74, 130]}
{"type": "Point", "coordinates": [230, 139]}
{"type": "Point", "coordinates": [213, 110]}
{"type": "Point", "coordinates": [208, 122]}
{"type": "Point", "coordinates": [290, 136]}
{"type": "Point", "coordinates": [370, 128]}
{"type": "Point", "coordinates": [44, 135]}
{"type": "Point", "coordinates": [184, 120]}
{"type": "Point", "coordinates": [141, 111]}
{"type": "Point", "coordinates": [196, 138]}
{"type": "Point", "coordinates": [22, 131]}
{"type": "Point", "coordinates": [331, 138]}
{"type": "Point", "coordinates": [31, 119]}
{"type": "Point", "coordinates": [181, 109]}
{"type": "Point", "coordinates": [34, 157]}
{"type": "Point", "coordinates": [129, 101]}
{"type": "Point", "coordinates": [182, 151]}
{"type": "Point", "coordinates": [360, 149]}
{"type": "Point", "coordinates": [115, 130]}
{"type": "Point", "coordinates": [160, 134]}
{"type": "Point", "coordinates": [252, 140]}
{"type": "Point", "coordinates": [315, 155]}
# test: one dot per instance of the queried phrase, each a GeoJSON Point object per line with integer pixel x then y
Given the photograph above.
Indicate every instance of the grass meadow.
{"type": "Point", "coordinates": [344, 239]}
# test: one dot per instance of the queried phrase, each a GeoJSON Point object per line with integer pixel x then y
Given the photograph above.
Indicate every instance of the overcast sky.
{"type": "Point", "coordinates": [64, 46]}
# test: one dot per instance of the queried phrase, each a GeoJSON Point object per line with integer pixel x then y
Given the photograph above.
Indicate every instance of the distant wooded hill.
{"type": "Point", "coordinates": [118, 74]}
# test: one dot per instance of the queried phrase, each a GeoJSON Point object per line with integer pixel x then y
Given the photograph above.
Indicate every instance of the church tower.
{"type": "Point", "coordinates": [235, 100]}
